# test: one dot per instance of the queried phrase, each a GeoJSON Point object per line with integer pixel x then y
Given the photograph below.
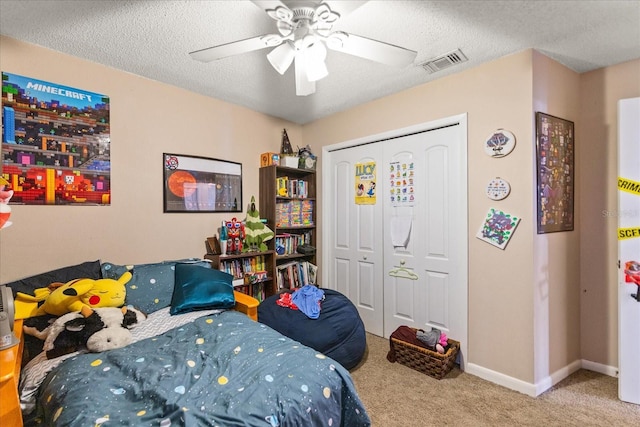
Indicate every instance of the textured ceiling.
{"type": "Point", "coordinates": [153, 39]}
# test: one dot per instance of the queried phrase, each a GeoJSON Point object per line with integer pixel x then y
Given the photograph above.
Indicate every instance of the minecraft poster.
{"type": "Point", "coordinates": [55, 143]}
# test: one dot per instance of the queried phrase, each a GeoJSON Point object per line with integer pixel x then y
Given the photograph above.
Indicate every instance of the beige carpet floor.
{"type": "Point", "coordinates": [396, 395]}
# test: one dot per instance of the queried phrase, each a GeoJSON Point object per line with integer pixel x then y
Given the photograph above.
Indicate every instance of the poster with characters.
{"type": "Point", "coordinates": [402, 184]}
{"type": "Point", "coordinates": [55, 143]}
{"type": "Point", "coordinates": [365, 183]}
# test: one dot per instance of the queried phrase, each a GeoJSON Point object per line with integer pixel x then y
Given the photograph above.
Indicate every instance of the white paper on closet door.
{"type": "Point", "coordinates": [400, 230]}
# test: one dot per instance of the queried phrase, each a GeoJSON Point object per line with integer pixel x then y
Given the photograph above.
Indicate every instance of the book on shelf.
{"type": "Point", "coordinates": [256, 290]}
{"type": "Point", "coordinates": [242, 266]}
{"type": "Point", "coordinates": [295, 274]}
{"type": "Point", "coordinates": [287, 243]}
{"type": "Point", "coordinates": [294, 188]}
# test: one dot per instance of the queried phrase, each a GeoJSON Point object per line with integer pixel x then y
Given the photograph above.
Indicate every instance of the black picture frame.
{"type": "Point", "coordinates": [555, 184]}
{"type": "Point", "coordinates": [196, 184]}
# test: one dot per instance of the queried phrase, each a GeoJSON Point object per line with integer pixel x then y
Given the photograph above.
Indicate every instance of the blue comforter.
{"type": "Point", "coordinates": [219, 370]}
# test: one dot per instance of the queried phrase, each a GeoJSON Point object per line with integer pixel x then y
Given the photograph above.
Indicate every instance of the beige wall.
{"type": "Point", "coordinates": [495, 95]}
{"type": "Point", "coordinates": [556, 284]}
{"type": "Point", "coordinates": [600, 91]}
{"type": "Point", "coordinates": [147, 119]}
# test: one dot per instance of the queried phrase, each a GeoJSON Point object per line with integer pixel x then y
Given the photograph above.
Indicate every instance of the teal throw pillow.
{"type": "Point", "coordinates": [151, 285]}
{"type": "Point", "coordinates": [201, 288]}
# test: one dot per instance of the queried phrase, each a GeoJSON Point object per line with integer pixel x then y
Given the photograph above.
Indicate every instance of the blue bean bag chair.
{"type": "Point", "coordinates": [337, 333]}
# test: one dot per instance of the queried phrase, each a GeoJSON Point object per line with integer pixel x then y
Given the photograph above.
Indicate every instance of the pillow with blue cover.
{"type": "Point", "coordinates": [151, 285]}
{"type": "Point", "coordinates": [201, 288]}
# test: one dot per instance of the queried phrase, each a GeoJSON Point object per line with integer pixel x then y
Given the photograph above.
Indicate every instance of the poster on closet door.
{"type": "Point", "coordinates": [401, 181]}
{"type": "Point", "coordinates": [365, 183]}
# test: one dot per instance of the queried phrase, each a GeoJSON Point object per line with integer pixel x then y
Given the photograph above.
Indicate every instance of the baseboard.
{"type": "Point", "coordinates": [611, 371]}
{"type": "Point", "coordinates": [557, 376]}
{"type": "Point", "coordinates": [524, 387]}
{"type": "Point", "coordinates": [501, 379]}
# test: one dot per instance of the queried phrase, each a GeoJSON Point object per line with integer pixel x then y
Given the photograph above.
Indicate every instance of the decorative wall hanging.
{"type": "Point", "coordinates": [498, 228]}
{"type": "Point", "coordinates": [365, 182]}
{"type": "Point", "coordinates": [555, 168]}
{"type": "Point", "coordinates": [498, 189]}
{"type": "Point", "coordinates": [201, 184]}
{"type": "Point", "coordinates": [55, 144]}
{"type": "Point", "coordinates": [402, 182]}
{"type": "Point", "coordinates": [500, 143]}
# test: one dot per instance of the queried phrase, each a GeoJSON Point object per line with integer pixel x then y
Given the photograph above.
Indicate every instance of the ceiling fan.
{"type": "Point", "coordinates": [305, 31]}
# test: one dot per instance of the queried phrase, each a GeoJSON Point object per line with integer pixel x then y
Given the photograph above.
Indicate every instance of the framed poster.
{"type": "Point", "coordinates": [555, 173]}
{"type": "Point", "coordinates": [201, 184]}
{"type": "Point", "coordinates": [55, 143]}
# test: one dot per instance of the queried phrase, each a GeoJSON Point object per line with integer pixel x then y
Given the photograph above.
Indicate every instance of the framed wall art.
{"type": "Point", "coordinates": [201, 184]}
{"type": "Point", "coordinates": [555, 148]}
{"type": "Point", "coordinates": [500, 143]}
{"type": "Point", "coordinates": [56, 143]}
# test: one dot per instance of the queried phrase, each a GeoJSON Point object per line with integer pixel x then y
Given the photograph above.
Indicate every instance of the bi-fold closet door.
{"type": "Point", "coordinates": [401, 260]}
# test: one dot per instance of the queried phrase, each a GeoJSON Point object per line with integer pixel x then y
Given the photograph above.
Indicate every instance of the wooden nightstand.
{"type": "Point", "coordinates": [10, 364]}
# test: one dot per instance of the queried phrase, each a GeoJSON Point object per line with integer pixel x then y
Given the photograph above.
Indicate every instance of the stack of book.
{"type": "Point", "coordinates": [295, 188]}
{"type": "Point", "coordinates": [295, 213]}
{"type": "Point", "coordinates": [295, 274]}
{"type": "Point", "coordinates": [287, 243]}
{"type": "Point", "coordinates": [239, 267]}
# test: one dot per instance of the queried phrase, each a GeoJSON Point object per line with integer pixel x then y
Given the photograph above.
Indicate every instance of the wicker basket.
{"type": "Point", "coordinates": [423, 360]}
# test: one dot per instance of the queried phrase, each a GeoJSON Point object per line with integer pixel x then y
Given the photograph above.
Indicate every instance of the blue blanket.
{"type": "Point", "coordinates": [220, 370]}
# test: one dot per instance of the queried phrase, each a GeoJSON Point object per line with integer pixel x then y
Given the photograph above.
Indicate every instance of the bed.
{"type": "Point", "coordinates": [213, 367]}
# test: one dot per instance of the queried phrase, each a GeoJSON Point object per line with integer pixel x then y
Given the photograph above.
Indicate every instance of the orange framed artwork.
{"type": "Point", "coordinates": [201, 184]}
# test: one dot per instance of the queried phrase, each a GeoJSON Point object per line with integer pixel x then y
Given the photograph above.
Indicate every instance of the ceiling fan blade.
{"type": "Point", "coordinates": [304, 86]}
{"type": "Point", "coordinates": [268, 4]}
{"type": "Point", "coordinates": [344, 7]}
{"type": "Point", "coordinates": [373, 50]}
{"type": "Point", "coordinates": [235, 48]}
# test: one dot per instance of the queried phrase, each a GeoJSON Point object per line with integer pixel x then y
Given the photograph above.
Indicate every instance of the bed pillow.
{"type": "Point", "coordinates": [151, 285]}
{"type": "Point", "coordinates": [201, 288]}
{"type": "Point", "coordinates": [89, 270]}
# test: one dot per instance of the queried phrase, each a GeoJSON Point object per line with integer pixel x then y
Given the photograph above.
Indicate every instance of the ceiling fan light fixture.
{"type": "Point", "coordinates": [314, 56]}
{"type": "Point", "coordinates": [304, 86]}
{"type": "Point", "coordinates": [281, 57]}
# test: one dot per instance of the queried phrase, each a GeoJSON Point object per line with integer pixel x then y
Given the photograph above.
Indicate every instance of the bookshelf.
{"type": "Point", "coordinates": [253, 272]}
{"type": "Point", "coordinates": [288, 202]}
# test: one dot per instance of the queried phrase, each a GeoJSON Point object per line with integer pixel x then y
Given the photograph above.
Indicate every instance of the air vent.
{"type": "Point", "coordinates": [444, 61]}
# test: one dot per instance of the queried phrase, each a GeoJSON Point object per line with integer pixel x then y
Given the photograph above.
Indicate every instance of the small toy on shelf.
{"type": "Point", "coordinates": [256, 232]}
{"type": "Point", "coordinates": [235, 236]}
{"type": "Point", "coordinates": [306, 159]}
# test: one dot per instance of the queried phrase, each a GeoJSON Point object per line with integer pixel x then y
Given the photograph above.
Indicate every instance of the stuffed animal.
{"type": "Point", "coordinates": [5, 209]}
{"type": "Point", "coordinates": [105, 329]}
{"type": "Point", "coordinates": [256, 233]}
{"type": "Point", "coordinates": [82, 295]}
{"type": "Point", "coordinates": [434, 339]}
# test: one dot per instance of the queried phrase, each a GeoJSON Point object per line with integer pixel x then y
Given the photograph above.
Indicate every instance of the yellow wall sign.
{"type": "Point", "coordinates": [365, 183]}
{"type": "Point", "coordinates": [628, 233]}
{"type": "Point", "coordinates": [629, 186]}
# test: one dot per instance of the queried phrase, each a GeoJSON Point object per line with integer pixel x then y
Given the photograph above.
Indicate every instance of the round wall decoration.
{"type": "Point", "coordinates": [498, 189]}
{"type": "Point", "coordinates": [500, 143]}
